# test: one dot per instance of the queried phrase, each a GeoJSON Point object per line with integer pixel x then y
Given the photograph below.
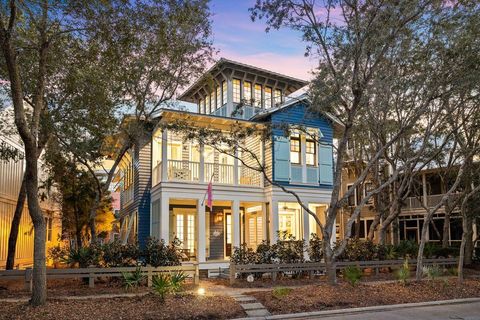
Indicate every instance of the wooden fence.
{"type": "Point", "coordinates": [312, 267]}
{"type": "Point", "coordinates": [191, 271]}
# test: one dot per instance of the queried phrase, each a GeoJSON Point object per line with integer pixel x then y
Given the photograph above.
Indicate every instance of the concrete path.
{"type": "Point", "coordinates": [465, 309]}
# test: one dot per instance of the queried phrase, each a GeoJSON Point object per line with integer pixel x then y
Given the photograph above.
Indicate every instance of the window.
{"type": "Point", "coordinates": [201, 106]}
{"type": "Point", "coordinates": [278, 97]}
{"type": "Point", "coordinates": [247, 92]}
{"type": "Point", "coordinates": [268, 98]}
{"type": "Point", "coordinates": [219, 97]}
{"type": "Point", "coordinates": [258, 95]}
{"type": "Point", "coordinates": [311, 153]}
{"type": "Point", "coordinates": [289, 219]}
{"type": "Point", "coordinates": [295, 149]}
{"type": "Point", "coordinates": [207, 104]}
{"type": "Point", "coordinates": [236, 91]}
{"type": "Point", "coordinates": [48, 223]}
{"type": "Point", "coordinates": [212, 101]}
{"type": "Point", "coordinates": [224, 92]}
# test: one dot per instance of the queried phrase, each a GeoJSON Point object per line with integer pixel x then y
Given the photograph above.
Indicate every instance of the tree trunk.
{"type": "Point", "coordinates": [421, 247]}
{"type": "Point", "coordinates": [373, 228]}
{"type": "Point", "coordinates": [461, 259]}
{"type": "Point", "coordinates": [446, 229]}
{"type": "Point", "coordinates": [468, 234]}
{"type": "Point", "coordinates": [329, 263]}
{"type": "Point", "coordinates": [12, 238]}
{"type": "Point", "coordinates": [39, 291]}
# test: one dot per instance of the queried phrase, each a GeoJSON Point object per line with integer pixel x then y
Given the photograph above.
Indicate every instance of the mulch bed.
{"type": "Point", "coordinates": [186, 306]}
{"type": "Point", "coordinates": [325, 297]}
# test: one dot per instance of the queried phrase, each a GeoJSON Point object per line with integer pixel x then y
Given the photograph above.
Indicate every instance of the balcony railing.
{"type": "Point", "coordinates": [412, 203]}
{"type": "Point", "coordinates": [189, 171]}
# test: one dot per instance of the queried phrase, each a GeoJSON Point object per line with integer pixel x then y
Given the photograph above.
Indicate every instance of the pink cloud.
{"type": "Point", "coordinates": [294, 66]}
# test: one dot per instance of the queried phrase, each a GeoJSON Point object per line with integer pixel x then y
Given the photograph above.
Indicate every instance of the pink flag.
{"type": "Point", "coordinates": [209, 196]}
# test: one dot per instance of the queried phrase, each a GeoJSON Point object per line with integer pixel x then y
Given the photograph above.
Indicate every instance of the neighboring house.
{"type": "Point", "coordinates": [163, 179]}
{"type": "Point", "coordinates": [11, 175]}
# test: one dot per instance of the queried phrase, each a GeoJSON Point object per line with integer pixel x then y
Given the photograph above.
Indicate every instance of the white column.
{"type": "Point", "coordinates": [273, 222]}
{"type": "Point", "coordinates": [165, 219]}
{"type": "Point", "coordinates": [236, 223]}
{"type": "Point", "coordinates": [164, 155]}
{"type": "Point", "coordinates": [424, 188]}
{"type": "Point", "coordinates": [306, 228]}
{"type": "Point", "coordinates": [201, 231]}
{"type": "Point", "coordinates": [201, 166]}
{"type": "Point", "coordinates": [264, 221]}
{"type": "Point", "coordinates": [235, 169]}
{"type": "Point", "coordinates": [303, 152]}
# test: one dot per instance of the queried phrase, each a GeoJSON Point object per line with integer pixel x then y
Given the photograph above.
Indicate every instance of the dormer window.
{"type": "Point", "coordinates": [201, 106]}
{"type": "Point", "coordinates": [277, 100]}
{"type": "Point", "coordinates": [247, 92]}
{"type": "Point", "coordinates": [236, 91]}
{"type": "Point", "coordinates": [268, 98]}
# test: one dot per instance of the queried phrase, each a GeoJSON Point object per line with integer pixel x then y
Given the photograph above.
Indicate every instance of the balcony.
{"type": "Point", "coordinates": [415, 203]}
{"type": "Point", "coordinates": [190, 171]}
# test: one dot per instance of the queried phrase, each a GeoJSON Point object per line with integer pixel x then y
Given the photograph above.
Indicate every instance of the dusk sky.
{"type": "Point", "coordinates": [238, 38]}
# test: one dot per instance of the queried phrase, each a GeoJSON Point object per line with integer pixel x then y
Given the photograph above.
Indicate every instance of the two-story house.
{"type": "Point", "coordinates": [165, 178]}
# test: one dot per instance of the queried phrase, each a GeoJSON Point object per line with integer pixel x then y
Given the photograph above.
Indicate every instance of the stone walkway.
{"type": "Point", "coordinates": [251, 306]}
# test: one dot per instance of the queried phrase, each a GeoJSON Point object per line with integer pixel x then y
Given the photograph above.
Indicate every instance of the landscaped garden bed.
{"type": "Point", "coordinates": [183, 306]}
{"type": "Point", "coordinates": [326, 297]}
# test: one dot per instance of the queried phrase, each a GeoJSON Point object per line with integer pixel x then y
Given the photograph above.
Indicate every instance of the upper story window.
{"type": "Point", "coordinates": [236, 91]}
{"type": "Point", "coordinates": [224, 92]}
{"type": "Point", "coordinates": [201, 106]}
{"type": "Point", "coordinates": [207, 104]}
{"type": "Point", "coordinates": [268, 98]}
{"type": "Point", "coordinates": [295, 150]}
{"type": "Point", "coordinates": [247, 92]}
{"type": "Point", "coordinates": [277, 99]}
{"type": "Point", "coordinates": [219, 97]}
{"type": "Point", "coordinates": [310, 152]}
{"type": "Point", "coordinates": [212, 101]}
{"type": "Point", "coordinates": [258, 95]}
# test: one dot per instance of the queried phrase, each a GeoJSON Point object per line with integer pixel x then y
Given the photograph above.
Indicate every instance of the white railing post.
{"type": "Point", "coordinates": [201, 167]}
{"type": "Point", "coordinates": [164, 156]}
{"type": "Point", "coordinates": [235, 169]}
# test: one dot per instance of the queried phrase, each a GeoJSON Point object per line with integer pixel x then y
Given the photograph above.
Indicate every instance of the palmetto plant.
{"type": "Point", "coordinates": [162, 285]}
{"type": "Point", "coordinates": [132, 279]}
{"type": "Point", "coordinates": [176, 281]}
{"type": "Point", "coordinates": [403, 273]}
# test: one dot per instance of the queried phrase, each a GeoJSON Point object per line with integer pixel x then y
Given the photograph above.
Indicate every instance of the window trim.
{"type": "Point", "coordinates": [293, 138]}
{"type": "Point", "coordinates": [315, 157]}
{"type": "Point", "coordinates": [239, 90]}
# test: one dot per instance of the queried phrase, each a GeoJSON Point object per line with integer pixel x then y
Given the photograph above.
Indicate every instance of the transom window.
{"type": "Point", "coordinates": [236, 91]}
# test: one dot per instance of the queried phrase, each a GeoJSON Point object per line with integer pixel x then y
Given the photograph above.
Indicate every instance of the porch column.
{"type": "Point", "coordinates": [236, 223]}
{"type": "Point", "coordinates": [201, 166]}
{"type": "Point", "coordinates": [236, 177]}
{"type": "Point", "coordinates": [201, 231]}
{"type": "Point", "coordinates": [164, 156]}
{"type": "Point", "coordinates": [165, 219]}
{"type": "Point", "coordinates": [264, 221]}
{"type": "Point", "coordinates": [273, 222]}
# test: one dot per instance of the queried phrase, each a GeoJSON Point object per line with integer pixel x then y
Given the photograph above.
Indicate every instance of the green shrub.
{"type": "Point", "coordinates": [315, 249]}
{"type": "Point", "coordinates": [58, 254]}
{"type": "Point", "coordinates": [407, 248]}
{"type": "Point", "coordinates": [352, 274]}
{"type": "Point", "coordinates": [431, 250]}
{"type": "Point", "coordinates": [177, 280]}
{"type": "Point", "coordinates": [265, 253]}
{"type": "Point", "coordinates": [359, 250]}
{"type": "Point", "coordinates": [403, 274]}
{"type": "Point", "coordinates": [132, 279]}
{"type": "Point", "coordinates": [161, 285]}
{"type": "Point", "coordinates": [243, 255]}
{"type": "Point", "coordinates": [279, 293]}
{"type": "Point", "coordinates": [432, 272]}
{"type": "Point", "coordinates": [288, 249]}
{"type": "Point", "coordinates": [453, 271]}
{"type": "Point", "coordinates": [386, 252]}
{"type": "Point", "coordinates": [158, 253]}
{"type": "Point", "coordinates": [116, 254]}
{"type": "Point", "coordinates": [83, 257]}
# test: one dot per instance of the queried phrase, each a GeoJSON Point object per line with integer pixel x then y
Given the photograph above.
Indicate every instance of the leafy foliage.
{"type": "Point", "coordinates": [315, 250]}
{"type": "Point", "coordinates": [116, 254]}
{"type": "Point", "coordinates": [132, 279]}
{"type": "Point", "coordinates": [403, 274]}
{"type": "Point", "coordinates": [161, 285]}
{"type": "Point", "coordinates": [281, 292]}
{"type": "Point", "coordinates": [83, 256]}
{"type": "Point", "coordinates": [158, 253]}
{"type": "Point", "coordinates": [353, 274]}
{"type": "Point", "coordinates": [177, 279]}
{"type": "Point", "coordinates": [432, 272]}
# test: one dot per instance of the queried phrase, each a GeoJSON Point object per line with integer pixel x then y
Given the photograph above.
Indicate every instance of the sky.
{"type": "Point", "coordinates": [236, 37]}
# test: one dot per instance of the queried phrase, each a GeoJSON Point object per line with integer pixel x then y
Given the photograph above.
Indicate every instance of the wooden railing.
{"type": "Point", "coordinates": [183, 170]}
{"type": "Point", "coordinates": [432, 201]}
{"type": "Point", "coordinates": [311, 267]}
{"type": "Point", "coordinates": [191, 271]}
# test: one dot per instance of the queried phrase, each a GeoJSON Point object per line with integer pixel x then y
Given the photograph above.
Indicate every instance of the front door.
{"type": "Point", "coordinates": [185, 232]}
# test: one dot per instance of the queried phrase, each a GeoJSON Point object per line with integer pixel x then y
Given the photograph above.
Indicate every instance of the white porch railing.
{"type": "Point", "coordinates": [179, 170]}
{"type": "Point", "coordinates": [183, 170]}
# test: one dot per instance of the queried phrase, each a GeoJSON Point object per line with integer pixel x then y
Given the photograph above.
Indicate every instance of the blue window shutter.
{"type": "Point", "coordinates": [281, 156]}
{"type": "Point", "coordinates": [325, 162]}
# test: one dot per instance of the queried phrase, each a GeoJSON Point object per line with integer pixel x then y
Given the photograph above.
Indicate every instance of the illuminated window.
{"type": "Point", "coordinates": [174, 150]}
{"type": "Point", "coordinates": [295, 149]}
{"type": "Point", "coordinates": [224, 92]}
{"type": "Point", "coordinates": [219, 97]}
{"type": "Point", "coordinates": [268, 98]}
{"type": "Point", "coordinates": [191, 233]}
{"type": "Point", "coordinates": [207, 104]}
{"type": "Point", "coordinates": [201, 106]}
{"type": "Point", "coordinates": [289, 219]}
{"type": "Point", "coordinates": [180, 226]}
{"type": "Point", "coordinates": [236, 91]}
{"type": "Point", "coordinates": [228, 227]}
{"type": "Point", "coordinates": [278, 97]}
{"type": "Point", "coordinates": [247, 92]}
{"type": "Point", "coordinates": [311, 154]}
{"type": "Point", "coordinates": [258, 95]}
{"type": "Point", "coordinates": [48, 223]}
